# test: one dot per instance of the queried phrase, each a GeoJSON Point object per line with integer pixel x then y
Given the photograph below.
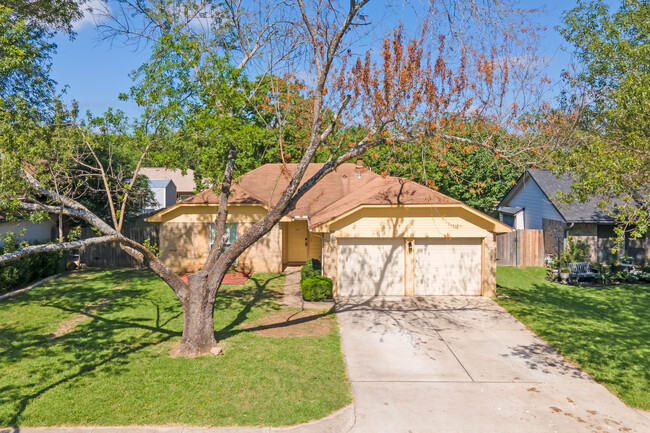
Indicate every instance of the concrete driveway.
{"type": "Point", "coordinates": [463, 364]}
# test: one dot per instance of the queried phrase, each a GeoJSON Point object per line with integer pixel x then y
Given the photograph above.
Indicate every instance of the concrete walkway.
{"type": "Point", "coordinates": [292, 296]}
{"type": "Point", "coordinates": [463, 364]}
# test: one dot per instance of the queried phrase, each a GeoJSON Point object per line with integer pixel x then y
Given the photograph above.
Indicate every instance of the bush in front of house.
{"type": "Point", "coordinates": [18, 273]}
{"type": "Point", "coordinates": [316, 288]}
{"type": "Point", "coordinates": [310, 269]}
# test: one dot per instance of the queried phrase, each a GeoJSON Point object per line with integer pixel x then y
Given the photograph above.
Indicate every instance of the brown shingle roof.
{"type": "Point", "coordinates": [389, 190]}
{"type": "Point", "coordinates": [338, 192]}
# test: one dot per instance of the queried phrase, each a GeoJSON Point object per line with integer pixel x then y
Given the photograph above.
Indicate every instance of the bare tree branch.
{"type": "Point", "coordinates": [45, 248]}
{"type": "Point", "coordinates": [222, 215]}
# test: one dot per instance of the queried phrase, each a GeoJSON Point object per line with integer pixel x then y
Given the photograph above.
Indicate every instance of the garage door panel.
{"type": "Point", "coordinates": [448, 267]}
{"type": "Point", "coordinates": [369, 267]}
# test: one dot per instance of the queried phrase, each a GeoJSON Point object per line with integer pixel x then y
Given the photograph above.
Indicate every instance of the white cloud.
{"type": "Point", "coordinates": [93, 10]}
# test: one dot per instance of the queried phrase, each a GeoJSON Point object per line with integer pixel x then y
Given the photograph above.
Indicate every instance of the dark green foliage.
{"type": "Point", "coordinates": [15, 274]}
{"type": "Point", "coordinates": [575, 251]}
{"type": "Point", "coordinates": [311, 269]}
{"type": "Point", "coordinates": [47, 14]}
{"type": "Point", "coordinates": [316, 288]}
{"type": "Point", "coordinates": [472, 175]}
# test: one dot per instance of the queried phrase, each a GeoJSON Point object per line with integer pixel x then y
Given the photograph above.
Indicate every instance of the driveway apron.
{"type": "Point", "coordinates": [464, 364]}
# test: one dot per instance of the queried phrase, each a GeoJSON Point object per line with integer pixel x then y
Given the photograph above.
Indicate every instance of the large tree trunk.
{"type": "Point", "coordinates": [198, 329]}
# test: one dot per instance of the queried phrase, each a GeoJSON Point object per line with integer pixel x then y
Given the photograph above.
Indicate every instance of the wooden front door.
{"type": "Point", "coordinates": [297, 242]}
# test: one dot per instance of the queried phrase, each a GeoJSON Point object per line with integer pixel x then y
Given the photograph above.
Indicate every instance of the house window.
{"type": "Point", "coordinates": [605, 231]}
{"type": "Point", "coordinates": [182, 197]}
{"type": "Point", "coordinates": [231, 231]}
{"type": "Point", "coordinates": [508, 219]}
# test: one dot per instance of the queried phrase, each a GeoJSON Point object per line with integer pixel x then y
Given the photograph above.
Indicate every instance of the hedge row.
{"type": "Point", "coordinates": [311, 268]}
{"type": "Point", "coordinates": [18, 273]}
{"type": "Point", "coordinates": [316, 288]}
{"type": "Point", "coordinates": [313, 286]}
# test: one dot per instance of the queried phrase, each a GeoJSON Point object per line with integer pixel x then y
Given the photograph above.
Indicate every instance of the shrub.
{"type": "Point", "coordinates": [316, 288]}
{"type": "Point", "coordinates": [310, 269]}
{"type": "Point", "coordinates": [28, 269]}
{"type": "Point", "coordinates": [575, 251]}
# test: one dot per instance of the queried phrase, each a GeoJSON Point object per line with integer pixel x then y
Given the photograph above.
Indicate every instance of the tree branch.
{"type": "Point", "coordinates": [136, 250]}
{"type": "Point", "coordinates": [22, 252]}
{"type": "Point", "coordinates": [222, 215]}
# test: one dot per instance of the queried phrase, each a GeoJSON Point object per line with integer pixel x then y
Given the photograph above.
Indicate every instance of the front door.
{"type": "Point", "coordinates": [297, 242]}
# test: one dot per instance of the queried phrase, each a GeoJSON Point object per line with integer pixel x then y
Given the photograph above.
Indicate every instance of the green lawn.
{"type": "Point", "coordinates": [114, 368]}
{"type": "Point", "coordinates": [605, 330]}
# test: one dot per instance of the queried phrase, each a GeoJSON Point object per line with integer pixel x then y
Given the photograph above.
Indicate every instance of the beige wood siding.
{"type": "Point", "coordinates": [409, 223]}
{"type": "Point", "coordinates": [208, 213]}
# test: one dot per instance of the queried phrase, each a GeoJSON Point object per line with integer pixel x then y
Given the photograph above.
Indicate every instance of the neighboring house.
{"type": "Point", "coordinates": [164, 194]}
{"type": "Point", "coordinates": [184, 182]}
{"type": "Point", "coordinates": [532, 204]}
{"type": "Point", "coordinates": [34, 233]}
{"type": "Point", "coordinates": [374, 235]}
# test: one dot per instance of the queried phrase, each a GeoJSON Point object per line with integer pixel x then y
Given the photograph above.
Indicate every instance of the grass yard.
{"type": "Point", "coordinates": [605, 330]}
{"type": "Point", "coordinates": [93, 349]}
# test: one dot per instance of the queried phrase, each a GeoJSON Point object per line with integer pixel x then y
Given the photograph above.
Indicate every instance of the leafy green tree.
{"type": "Point", "coordinates": [469, 173]}
{"type": "Point", "coordinates": [609, 94]}
{"type": "Point", "coordinates": [47, 15]}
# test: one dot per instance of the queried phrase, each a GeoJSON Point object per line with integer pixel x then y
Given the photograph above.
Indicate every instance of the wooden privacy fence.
{"type": "Point", "coordinates": [521, 248]}
{"type": "Point", "coordinates": [110, 255]}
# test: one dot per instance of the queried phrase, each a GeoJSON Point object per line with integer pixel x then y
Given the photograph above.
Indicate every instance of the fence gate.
{"type": "Point", "coordinates": [521, 248]}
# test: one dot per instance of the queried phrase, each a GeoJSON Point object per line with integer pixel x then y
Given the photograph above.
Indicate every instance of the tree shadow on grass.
{"type": "Point", "coordinates": [138, 316]}
{"type": "Point", "coordinates": [604, 329]}
{"type": "Point", "coordinates": [256, 294]}
{"type": "Point", "coordinates": [102, 340]}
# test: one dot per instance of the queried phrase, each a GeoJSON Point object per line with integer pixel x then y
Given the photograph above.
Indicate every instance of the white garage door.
{"type": "Point", "coordinates": [370, 267]}
{"type": "Point", "coordinates": [447, 267]}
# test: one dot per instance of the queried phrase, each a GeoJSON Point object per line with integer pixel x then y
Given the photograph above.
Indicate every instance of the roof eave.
{"type": "Point", "coordinates": [158, 217]}
{"type": "Point", "coordinates": [497, 226]}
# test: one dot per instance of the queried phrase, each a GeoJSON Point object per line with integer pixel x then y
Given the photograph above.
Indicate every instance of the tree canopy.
{"type": "Point", "coordinates": [609, 93]}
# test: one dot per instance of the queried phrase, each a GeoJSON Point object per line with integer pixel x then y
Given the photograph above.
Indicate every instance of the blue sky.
{"type": "Point", "coordinates": [96, 72]}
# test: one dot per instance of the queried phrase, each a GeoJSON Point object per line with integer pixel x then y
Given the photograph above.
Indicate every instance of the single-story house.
{"type": "Point", "coordinates": [532, 204]}
{"type": "Point", "coordinates": [375, 235]}
{"type": "Point", "coordinates": [184, 183]}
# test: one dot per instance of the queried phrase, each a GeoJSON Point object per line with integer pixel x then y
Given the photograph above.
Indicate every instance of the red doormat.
{"type": "Point", "coordinates": [230, 278]}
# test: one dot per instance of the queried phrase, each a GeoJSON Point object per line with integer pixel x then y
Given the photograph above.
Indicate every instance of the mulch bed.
{"type": "Point", "coordinates": [292, 324]}
{"type": "Point", "coordinates": [230, 278]}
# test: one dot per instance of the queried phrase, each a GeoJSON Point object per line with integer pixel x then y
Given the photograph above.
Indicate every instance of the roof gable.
{"type": "Point", "coordinates": [551, 184]}
{"type": "Point", "coordinates": [383, 191]}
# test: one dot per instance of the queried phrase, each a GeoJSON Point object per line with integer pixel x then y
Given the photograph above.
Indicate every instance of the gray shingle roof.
{"type": "Point", "coordinates": [576, 212]}
{"type": "Point", "coordinates": [510, 210]}
{"type": "Point", "coordinates": [159, 183]}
